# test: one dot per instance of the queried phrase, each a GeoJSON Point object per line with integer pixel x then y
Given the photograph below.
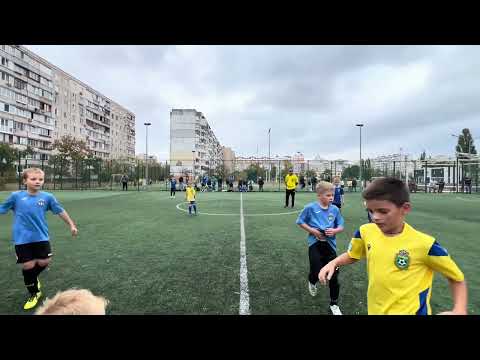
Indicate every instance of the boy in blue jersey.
{"type": "Point", "coordinates": [30, 229]}
{"type": "Point", "coordinates": [322, 221]}
{"type": "Point", "coordinates": [338, 200]}
{"type": "Point", "coordinates": [173, 187]}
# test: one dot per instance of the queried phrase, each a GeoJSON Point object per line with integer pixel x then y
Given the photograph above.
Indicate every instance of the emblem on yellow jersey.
{"type": "Point", "coordinates": [402, 260]}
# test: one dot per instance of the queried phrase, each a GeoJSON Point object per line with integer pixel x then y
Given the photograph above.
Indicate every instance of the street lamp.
{"type": "Point", "coordinates": [269, 161]}
{"type": "Point", "coordinates": [193, 166]}
{"type": "Point", "coordinates": [147, 124]}
{"type": "Point", "coordinates": [361, 183]}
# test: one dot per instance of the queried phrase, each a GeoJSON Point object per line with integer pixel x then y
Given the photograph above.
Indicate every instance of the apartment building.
{"type": "Point", "coordinates": [194, 148]}
{"type": "Point", "coordinates": [40, 103]}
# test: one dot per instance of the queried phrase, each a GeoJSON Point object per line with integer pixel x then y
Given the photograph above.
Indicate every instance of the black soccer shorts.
{"type": "Point", "coordinates": [32, 251]}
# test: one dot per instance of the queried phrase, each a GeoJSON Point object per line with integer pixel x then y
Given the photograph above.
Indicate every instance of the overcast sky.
{"type": "Point", "coordinates": [410, 97]}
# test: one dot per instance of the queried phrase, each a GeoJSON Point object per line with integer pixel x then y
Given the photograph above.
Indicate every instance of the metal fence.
{"type": "Point", "coordinates": [246, 174]}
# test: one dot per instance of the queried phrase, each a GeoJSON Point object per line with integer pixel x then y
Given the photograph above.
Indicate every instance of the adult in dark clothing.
{"type": "Point", "coordinates": [220, 184]}
{"type": "Point", "coordinates": [180, 183]}
{"type": "Point", "coordinates": [441, 185]}
{"type": "Point", "coordinates": [314, 183]}
{"type": "Point", "coordinates": [260, 183]}
{"type": "Point", "coordinates": [124, 182]}
{"type": "Point", "coordinates": [468, 184]}
{"type": "Point", "coordinates": [302, 182]}
{"type": "Point", "coordinates": [354, 185]}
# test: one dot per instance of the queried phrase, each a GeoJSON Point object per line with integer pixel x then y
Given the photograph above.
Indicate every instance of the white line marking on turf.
{"type": "Point", "coordinates": [244, 297]}
{"type": "Point", "coordinates": [213, 214]}
{"type": "Point", "coordinates": [469, 200]}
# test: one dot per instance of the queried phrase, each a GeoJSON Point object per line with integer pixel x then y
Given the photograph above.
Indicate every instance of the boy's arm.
{"type": "Point", "coordinates": [328, 270]}
{"type": "Point", "coordinates": [459, 296]}
{"type": "Point", "coordinates": [313, 231]}
{"type": "Point", "coordinates": [7, 204]}
{"type": "Point", "coordinates": [65, 217]}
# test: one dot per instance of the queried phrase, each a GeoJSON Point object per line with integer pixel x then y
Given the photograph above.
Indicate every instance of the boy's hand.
{"type": "Point", "coordinates": [317, 234]}
{"type": "Point", "coordinates": [326, 273]}
{"type": "Point", "coordinates": [74, 230]}
{"type": "Point", "coordinates": [330, 232]}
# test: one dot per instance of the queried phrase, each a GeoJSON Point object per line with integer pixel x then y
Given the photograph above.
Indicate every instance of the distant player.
{"type": "Point", "coordinates": [291, 182]}
{"type": "Point", "coordinates": [322, 221]}
{"type": "Point", "coordinates": [400, 260]}
{"type": "Point", "coordinates": [30, 229]}
{"type": "Point", "coordinates": [190, 195]}
{"type": "Point", "coordinates": [338, 199]}
{"type": "Point", "coordinates": [173, 187]}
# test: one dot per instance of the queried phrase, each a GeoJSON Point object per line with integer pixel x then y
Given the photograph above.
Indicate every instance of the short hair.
{"type": "Point", "coordinates": [389, 189]}
{"type": "Point", "coordinates": [74, 302]}
{"type": "Point", "coordinates": [324, 186]}
{"type": "Point", "coordinates": [32, 170]}
{"type": "Point", "coordinates": [336, 178]}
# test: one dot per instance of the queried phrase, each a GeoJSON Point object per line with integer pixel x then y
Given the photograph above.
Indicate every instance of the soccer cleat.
{"type": "Point", "coordinates": [32, 301]}
{"type": "Point", "coordinates": [38, 284]}
{"type": "Point", "coordinates": [312, 289]}
{"type": "Point", "coordinates": [335, 310]}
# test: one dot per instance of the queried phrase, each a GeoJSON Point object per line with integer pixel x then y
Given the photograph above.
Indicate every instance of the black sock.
{"type": "Point", "coordinates": [38, 269]}
{"type": "Point", "coordinates": [333, 302]}
{"type": "Point", "coordinates": [30, 280]}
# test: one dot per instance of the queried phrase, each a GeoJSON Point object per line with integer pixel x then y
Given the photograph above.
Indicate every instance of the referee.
{"type": "Point", "coordinates": [291, 182]}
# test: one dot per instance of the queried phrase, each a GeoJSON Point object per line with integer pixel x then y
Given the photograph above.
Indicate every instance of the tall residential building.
{"type": "Point", "coordinates": [40, 103]}
{"type": "Point", "coordinates": [228, 159]}
{"type": "Point", "coordinates": [192, 142]}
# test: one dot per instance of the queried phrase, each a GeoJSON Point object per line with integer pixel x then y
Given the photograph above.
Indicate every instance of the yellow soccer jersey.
{"type": "Point", "coordinates": [291, 181]}
{"type": "Point", "coordinates": [190, 193]}
{"type": "Point", "coordinates": [400, 269]}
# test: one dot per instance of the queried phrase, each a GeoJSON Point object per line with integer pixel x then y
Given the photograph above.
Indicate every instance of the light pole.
{"type": "Point", "coordinates": [269, 160]}
{"type": "Point", "coordinates": [147, 124]}
{"type": "Point", "coordinates": [361, 183]}
{"type": "Point", "coordinates": [193, 166]}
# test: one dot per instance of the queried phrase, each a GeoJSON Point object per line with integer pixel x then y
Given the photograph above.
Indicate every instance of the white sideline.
{"type": "Point", "coordinates": [244, 296]}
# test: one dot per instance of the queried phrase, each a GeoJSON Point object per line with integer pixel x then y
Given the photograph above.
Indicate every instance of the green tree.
{"type": "Point", "coordinates": [423, 155]}
{"type": "Point", "coordinates": [351, 172]}
{"type": "Point", "coordinates": [465, 143]}
{"type": "Point", "coordinates": [8, 155]}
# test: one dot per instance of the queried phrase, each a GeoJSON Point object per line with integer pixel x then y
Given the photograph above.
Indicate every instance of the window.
{"type": "Point", "coordinates": [6, 107]}
{"type": "Point", "coordinates": [34, 76]}
{"type": "Point", "coordinates": [34, 103]}
{"type": "Point", "coordinates": [19, 84]}
{"type": "Point", "coordinates": [21, 98]}
{"type": "Point", "coordinates": [65, 126]}
{"type": "Point", "coordinates": [20, 70]}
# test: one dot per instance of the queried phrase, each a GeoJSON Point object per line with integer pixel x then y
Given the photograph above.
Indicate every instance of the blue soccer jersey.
{"type": "Point", "coordinates": [337, 196]}
{"type": "Point", "coordinates": [173, 184]}
{"type": "Point", "coordinates": [30, 223]}
{"type": "Point", "coordinates": [318, 218]}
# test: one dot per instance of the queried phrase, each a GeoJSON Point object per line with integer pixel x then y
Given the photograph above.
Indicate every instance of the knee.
{"type": "Point", "coordinates": [43, 262]}
{"type": "Point", "coordinates": [28, 265]}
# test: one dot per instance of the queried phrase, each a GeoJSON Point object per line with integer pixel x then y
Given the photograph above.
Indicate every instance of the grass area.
{"type": "Point", "coordinates": [144, 254]}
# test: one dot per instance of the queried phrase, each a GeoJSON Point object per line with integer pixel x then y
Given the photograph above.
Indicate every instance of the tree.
{"type": "Point", "coordinates": [423, 155]}
{"type": "Point", "coordinates": [69, 147]}
{"type": "Point", "coordinates": [351, 172]}
{"type": "Point", "coordinates": [310, 173]}
{"type": "Point", "coordinates": [8, 155]}
{"type": "Point", "coordinates": [327, 175]}
{"type": "Point", "coordinates": [465, 143]}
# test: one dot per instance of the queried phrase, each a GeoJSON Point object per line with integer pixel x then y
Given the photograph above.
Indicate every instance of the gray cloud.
{"type": "Point", "coordinates": [412, 97]}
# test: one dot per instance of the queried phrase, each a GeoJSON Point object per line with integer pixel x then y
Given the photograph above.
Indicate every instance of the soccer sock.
{"type": "Point", "coordinates": [38, 269]}
{"type": "Point", "coordinates": [30, 280]}
{"type": "Point", "coordinates": [333, 302]}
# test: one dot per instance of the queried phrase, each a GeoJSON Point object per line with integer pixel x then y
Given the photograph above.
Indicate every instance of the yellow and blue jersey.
{"type": "Point", "coordinates": [400, 269]}
{"type": "Point", "coordinates": [30, 222]}
{"type": "Point", "coordinates": [190, 193]}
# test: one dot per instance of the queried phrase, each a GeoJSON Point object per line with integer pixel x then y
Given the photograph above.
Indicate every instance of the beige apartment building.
{"type": "Point", "coordinates": [40, 103]}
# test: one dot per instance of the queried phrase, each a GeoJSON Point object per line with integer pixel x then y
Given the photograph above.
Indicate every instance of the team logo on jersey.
{"type": "Point", "coordinates": [368, 246]}
{"type": "Point", "coordinates": [402, 260]}
{"type": "Point", "coordinates": [331, 217]}
{"type": "Point", "coordinates": [41, 202]}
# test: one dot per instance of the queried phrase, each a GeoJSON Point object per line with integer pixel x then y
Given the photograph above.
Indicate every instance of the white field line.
{"type": "Point", "coordinates": [244, 296]}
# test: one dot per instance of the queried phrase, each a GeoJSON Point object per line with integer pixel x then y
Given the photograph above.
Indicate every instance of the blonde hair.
{"type": "Point", "coordinates": [29, 171]}
{"type": "Point", "coordinates": [336, 178]}
{"type": "Point", "coordinates": [324, 186]}
{"type": "Point", "coordinates": [74, 302]}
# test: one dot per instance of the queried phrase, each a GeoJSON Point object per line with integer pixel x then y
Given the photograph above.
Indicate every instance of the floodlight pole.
{"type": "Point", "coordinates": [147, 124]}
{"type": "Point", "coordinates": [360, 165]}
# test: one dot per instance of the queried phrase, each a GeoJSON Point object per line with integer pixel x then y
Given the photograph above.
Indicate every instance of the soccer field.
{"type": "Point", "coordinates": [144, 253]}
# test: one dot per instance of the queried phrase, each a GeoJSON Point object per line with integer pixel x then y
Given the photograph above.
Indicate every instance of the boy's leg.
{"type": "Point", "coordinates": [195, 208]}
{"type": "Point", "coordinates": [190, 208]}
{"type": "Point", "coordinates": [315, 259]}
{"type": "Point", "coordinates": [333, 284]}
{"type": "Point", "coordinates": [293, 198]}
{"type": "Point", "coordinates": [287, 195]}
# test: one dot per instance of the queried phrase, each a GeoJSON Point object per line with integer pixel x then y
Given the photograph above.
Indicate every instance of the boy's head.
{"type": "Point", "coordinates": [336, 180]}
{"type": "Point", "coordinates": [33, 178]}
{"type": "Point", "coordinates": [388, 201]}
{"type": "Point", "coordinates": [324, 191]}
{"type": "Point", "coordinates": [290, 171]}
{"type": "Point", "coordinates": [74, 302]}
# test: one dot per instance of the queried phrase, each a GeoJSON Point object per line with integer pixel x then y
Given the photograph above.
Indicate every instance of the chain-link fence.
{"type": "Point", "coordinates": [245, 174]}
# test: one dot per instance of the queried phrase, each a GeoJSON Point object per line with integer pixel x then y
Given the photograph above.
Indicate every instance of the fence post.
{"type": "Point", "coordinates": [54, 162]}
{"type": "Point", "coordinates": [111, 175]}
{"type": "Point", "coordinates": [138, 175]}
{"type": "Point", "coordinates": [425, 175]}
